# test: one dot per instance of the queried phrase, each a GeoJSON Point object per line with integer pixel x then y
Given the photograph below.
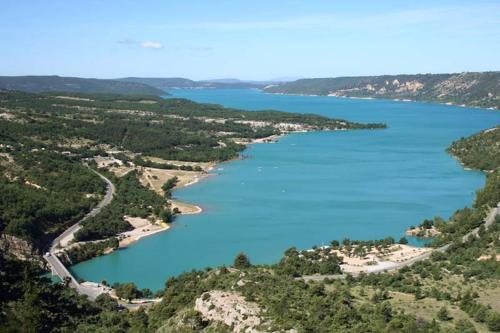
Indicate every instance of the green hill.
{"type": "Point", "coordinates": [162, 83]}
{"type": "Point", "coordinates": [37, 84]}
{"type": "Point", "coordinates": [177, 82]}
{"type": "Point", "coordinates": [480, 151]}
{"type": "Point", "coordinates": [472, 89]}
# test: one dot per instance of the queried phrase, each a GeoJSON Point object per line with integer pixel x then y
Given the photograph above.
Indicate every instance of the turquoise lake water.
{"type": "Point", "coordinates": [310, 188]}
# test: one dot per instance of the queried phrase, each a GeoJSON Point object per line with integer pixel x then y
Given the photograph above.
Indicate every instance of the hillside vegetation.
{"type": "Point", "coordinates": [35, 84]}
{"type": "Point", "coordinates": [452, 292]}
{"type": "Point", "coordinates": [480, 151]}
{"type": "Point", "coordinates": [44, 187]}
{"type": "Point", "coordinates": [472, 89]}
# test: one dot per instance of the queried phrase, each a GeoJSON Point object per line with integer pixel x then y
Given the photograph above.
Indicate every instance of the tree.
{"type": "Point", "coordinates": [106, 302]}
{"type": "Point", "coordinates": [465, 326]}
{"type": "Point", "coordinates": [291, 252]}
{"type": "Point", "coordinates": [443, 314]}
{"type": "Point", "coordinates": [418, 293]}
{"type": "Point", "coordinates": [169, 185]}
{"type": "Point", "coordinates": [147, 293]}
{"type": "Point", "coordinates": [385, 310]}
{"type": "Point", "coordinates": [403, 240]}
{"type": "Point", "coordinates": [242, 261]}
{"type": "Point", "coordinates": [127, 291]}
{"type": "Point", "coordinates": [493, 320]}
{"type": "Point", "coordinates": [427, 224]}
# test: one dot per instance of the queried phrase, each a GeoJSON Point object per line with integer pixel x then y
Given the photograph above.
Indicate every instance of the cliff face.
{"type": "Point", "coordinates": [471, 89]}
{"type": "Point", "coordinates": [18, 248]}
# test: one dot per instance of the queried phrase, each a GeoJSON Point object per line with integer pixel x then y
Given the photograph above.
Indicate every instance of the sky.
{"type": "Point", "coordinates": [254, 40]}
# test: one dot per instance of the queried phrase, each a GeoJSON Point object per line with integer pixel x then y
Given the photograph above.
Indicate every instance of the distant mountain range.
{"type": "Point", "coordinates": [37, 84]}
{"type": "Point", "coordinates": [481, 89]}
{"type": "Point", "coordinates": [177, 82]}
{"type": "Point", "coordinates": [128, 85]}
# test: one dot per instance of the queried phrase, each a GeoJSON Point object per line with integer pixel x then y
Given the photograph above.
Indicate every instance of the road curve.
{"type": "Point", "coordinates": [56, 265]}
{"type": "Point", "coordinates": [490, 219]}
{"type": "Point", "coordinates": [110, 191]}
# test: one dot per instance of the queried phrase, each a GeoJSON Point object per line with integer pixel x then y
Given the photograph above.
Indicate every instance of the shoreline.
{"type": "Point", "coordinates": [406, 100]}
{"type": "Point", "coordinates": [126, 242]}
{"type": "Point", "coordinates": [185, 208]}
{"type": "Point", "coordinates": [191, 208]}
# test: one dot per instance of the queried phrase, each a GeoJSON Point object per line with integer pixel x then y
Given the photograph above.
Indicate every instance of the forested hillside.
{"type": "Point", "coordinates": [480, 151]}
{"type": "Point", "coordinates": [452, 291]}
{"type": "Point", "coordinates": [472, 89]}
{"type": "Point", "coordinates": [44, 187]}
{"type": "Point", "coordinates": [37, 84]}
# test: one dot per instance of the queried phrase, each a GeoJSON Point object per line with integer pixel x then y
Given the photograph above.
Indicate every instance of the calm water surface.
{"type": "Point", "coordinates": [310, 188]}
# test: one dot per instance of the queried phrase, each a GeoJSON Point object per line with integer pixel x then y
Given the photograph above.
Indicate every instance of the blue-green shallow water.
{"type": "Point", "coordinates": [311, 187]}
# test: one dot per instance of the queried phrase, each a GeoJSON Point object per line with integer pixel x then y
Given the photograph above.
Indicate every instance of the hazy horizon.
{"type": "Point", "coordinates": [277, 79]}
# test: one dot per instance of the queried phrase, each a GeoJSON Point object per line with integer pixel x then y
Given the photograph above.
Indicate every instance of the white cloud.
{"type": "Point", "coordinates": [151, 45]}
{"type": "Point", "coordinates": [148, 44]}
{"type": "Point", "coordinates": [154, 45]}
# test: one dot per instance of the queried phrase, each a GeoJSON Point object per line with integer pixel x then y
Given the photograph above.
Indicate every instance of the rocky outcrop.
{"type": "Point", "coordinates": [231, 309]}
{"type": "Point", "coordinates": [480, 89]}
{"type": "Point", "coordinates": [17, 247]}
{"type": "Point", "coordinates": [423, 232]}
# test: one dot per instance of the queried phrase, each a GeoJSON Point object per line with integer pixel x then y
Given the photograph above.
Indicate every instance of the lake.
{"type": "Point", "coordinates": [310, 188]}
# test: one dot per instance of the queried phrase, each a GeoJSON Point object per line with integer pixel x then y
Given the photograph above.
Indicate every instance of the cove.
{"type": "Point", "coordinates": [310, 188]}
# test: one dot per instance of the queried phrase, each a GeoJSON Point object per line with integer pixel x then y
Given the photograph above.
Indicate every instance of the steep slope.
{"type": "Point", "coordinates": [472, 89]}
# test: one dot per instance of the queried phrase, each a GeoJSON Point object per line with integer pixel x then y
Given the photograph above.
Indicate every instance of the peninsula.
{"type": "Point", "coordinates": [145, 145]}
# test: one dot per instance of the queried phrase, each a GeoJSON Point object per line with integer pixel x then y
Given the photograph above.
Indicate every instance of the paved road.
{"type": "Point", "coordinates": [110, 191]}
{"type": "Point", "coordinates": [490, 219]}
{"type": "Point", "coordinates": [57, 266]}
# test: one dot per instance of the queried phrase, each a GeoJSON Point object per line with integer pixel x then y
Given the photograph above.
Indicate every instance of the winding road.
{"type": "Point", "coordinates": [490, 219]}
{"type": "Point", "coordinates": [57, 266]}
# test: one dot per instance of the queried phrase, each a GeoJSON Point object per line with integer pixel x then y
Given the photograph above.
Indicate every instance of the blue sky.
{"type": "Point", "coordinates": [247, 39]}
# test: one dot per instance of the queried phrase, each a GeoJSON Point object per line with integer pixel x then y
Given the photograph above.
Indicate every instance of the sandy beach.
{"type": "Point", "coordinates": [267, 139]}
{"type": "Point", "coordinates": [185, 208]}
{"type": "Point", "coordinates": [142, 228]}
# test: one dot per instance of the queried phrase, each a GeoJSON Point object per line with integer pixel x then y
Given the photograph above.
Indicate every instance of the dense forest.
{"type": "Point", "coordinates": [479, 89]}
{"type": "Point", "coordinates": [480, 151]}
{"type": "Point", "coordinates": [131, 199]}
{"type": "Point", "coordinates": [41, 150]}
{"type": "Point", "coordinates": [174, 129]}
{"type": "Point", "coordinates": [43, 192]}
{"type": "Point", "coordinates": [35, 84]}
